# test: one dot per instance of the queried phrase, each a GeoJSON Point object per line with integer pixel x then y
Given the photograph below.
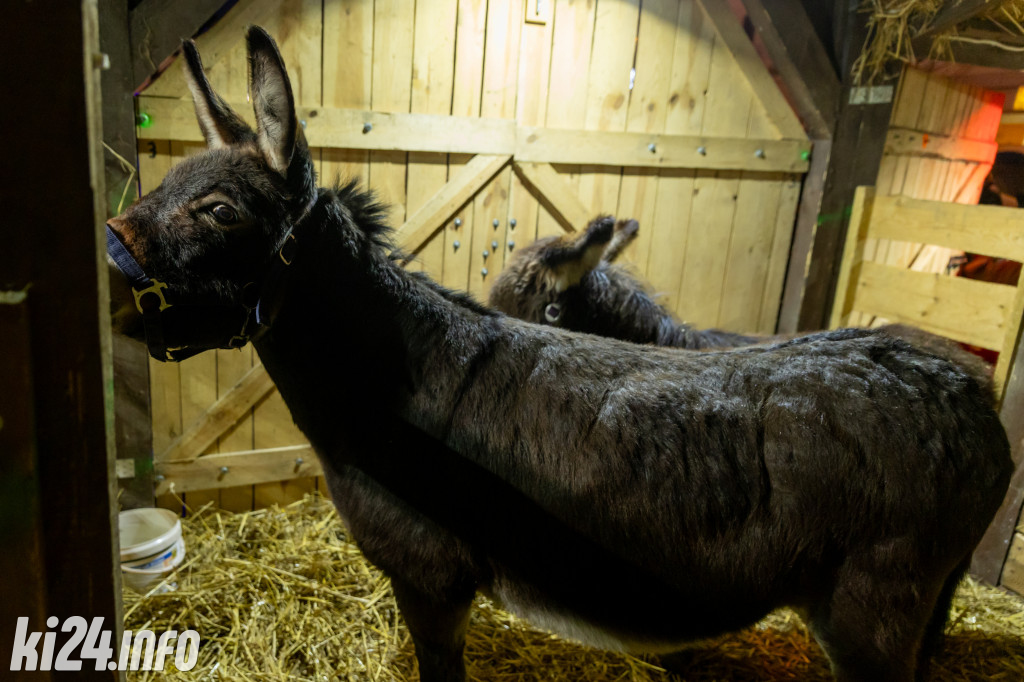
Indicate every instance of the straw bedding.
{"type": "Point", "coordinates": [283, 594]}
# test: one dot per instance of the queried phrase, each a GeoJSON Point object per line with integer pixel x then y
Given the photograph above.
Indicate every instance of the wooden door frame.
{"type": "Point", "coordinates": [61, 542]}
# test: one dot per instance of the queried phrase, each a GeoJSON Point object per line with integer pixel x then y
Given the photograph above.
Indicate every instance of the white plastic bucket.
{"type": "Point", "coordinates": [151, 546]}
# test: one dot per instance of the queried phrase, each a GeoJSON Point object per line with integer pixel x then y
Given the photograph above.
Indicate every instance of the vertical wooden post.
{"type": "Point", "coordinates": [990, 556]}
{"type": "Point", "coordinates": [856, 154]}
{"type": "Point", "coordinates": [59, 542]}
{"type": "Point", "coordinates": [134, 436]}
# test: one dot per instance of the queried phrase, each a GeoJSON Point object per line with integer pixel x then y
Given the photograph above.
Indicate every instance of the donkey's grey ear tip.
{"type": "Point", "coordinates": [191, 52]}
{"type": "Point", "coordinates": [629, 226]}
{"type": "Point", "coordinates": [257, 36]}
{"type": "Point", "coordinates": [601, 229]}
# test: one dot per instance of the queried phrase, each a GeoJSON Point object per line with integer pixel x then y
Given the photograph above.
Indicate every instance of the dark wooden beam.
{"type": "Point", "coordinates": [990, 556]}
{"type": "Point", "coordinates": [811, 195]}
{"type": "Point", "coordinates": [54, 207]}
{"type": "Point", "coordinates": [953, 13]}
{"type": "Point", "coordinates": [855, 154]}
{"type": "Point", "coordinates": [988, 54]}
{"type": "Point", "coordinates": [802, 65]}
{"type": "Point", "coordinates": [158, 26]}
{"type": "Point", "coordinates": [133, 430]}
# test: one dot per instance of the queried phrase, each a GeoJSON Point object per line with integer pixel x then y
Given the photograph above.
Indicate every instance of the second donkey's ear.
{"type": "Point", "coordinates": [272, 100]}
{"type": "Point", "coordinates": [625, 233]}
{"type": "Point", "coordinates": [221, 126]}
{"type": "Point", "coordinates": [570, 261]}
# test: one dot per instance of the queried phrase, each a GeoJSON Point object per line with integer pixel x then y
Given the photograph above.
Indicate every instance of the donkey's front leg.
{"type": "Point", "coordinates": [438, 628]}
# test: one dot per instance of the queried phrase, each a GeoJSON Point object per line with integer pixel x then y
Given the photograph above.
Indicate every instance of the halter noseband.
{"type": "Point", "coordinates": [178, 329]}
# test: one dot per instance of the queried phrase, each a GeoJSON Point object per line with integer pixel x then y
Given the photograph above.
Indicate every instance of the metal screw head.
{"type": "Point", "coordinates": [495, 222]}
{"type": "Point", "coordinates": [486, 253]}
{"type": "Point", "coordinates": [652, 148]}
{"type": "Point", "coordinates": [512, 222]}
{"type": "Point", "coordinates": [458, 222]}
{"type": "Point", "coordinates": [367, 127]}
{"type": "Point", "coordinates": [299, 461]}
{"type": "Point", "coordinates": [494, 245]}
{"type": "Point", "coordinates": [703, 151]}
{"type": "Point", "coordinates": [456, 244]}
{"type": "Point", "coordinates": [223, 470]}
{"type": "Point", "coordinates": [759, 153]}
{"type": "Point", "coordinates": [511, 244]}
{"type": "Point", "coordinates": [483, 271]}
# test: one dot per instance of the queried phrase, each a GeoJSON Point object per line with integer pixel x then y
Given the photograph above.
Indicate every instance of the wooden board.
{"type": "Point", "coordinates": [937, 303]}
{"type": "Point", "coordinates": [1013, 572]}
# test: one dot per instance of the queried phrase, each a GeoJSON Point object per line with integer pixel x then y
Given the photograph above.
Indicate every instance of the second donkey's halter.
{"type": "Point", "coordinates": [178, 327]}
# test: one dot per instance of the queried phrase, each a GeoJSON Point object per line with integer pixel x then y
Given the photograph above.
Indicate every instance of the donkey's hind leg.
{"type": "Point", "coordinates": [936, 629]}
{"type": "Point", "coordinates": [872, 625]}
{"type": "Point", "coordinates": [438, 629]}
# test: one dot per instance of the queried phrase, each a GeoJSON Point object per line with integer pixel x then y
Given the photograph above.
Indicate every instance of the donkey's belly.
{"type": "Point", "coordinates": [650, 627]}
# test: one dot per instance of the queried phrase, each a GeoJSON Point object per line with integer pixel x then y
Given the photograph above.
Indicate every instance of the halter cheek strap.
{"type": "Point", "coordinates": [195, 320]}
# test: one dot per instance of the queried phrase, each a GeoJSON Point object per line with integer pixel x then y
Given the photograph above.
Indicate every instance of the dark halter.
{"type": "Point", "coordinates": [178, 327]}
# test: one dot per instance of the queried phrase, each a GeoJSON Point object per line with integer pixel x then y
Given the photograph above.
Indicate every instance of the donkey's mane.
{"type": "Point", "coordinates": [369, 215]}
{"type": "Point", "coordinates": [364, 209]}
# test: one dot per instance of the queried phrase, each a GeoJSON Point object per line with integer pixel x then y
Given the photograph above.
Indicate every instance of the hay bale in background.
{"type": "Point", "coordinates": [893, 24]}
{"type": "Point", "coordinates": [283, 594]}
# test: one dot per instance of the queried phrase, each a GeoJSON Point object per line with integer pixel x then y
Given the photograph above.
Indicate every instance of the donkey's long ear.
{"type": "Point", "coordinates": [625, 233]}
{"type": "Point", "coordinates": [221, 126]}
{"type": "Point", "coordinates": [570, 261]}
{"type": "Point", "coordinates": [272, 100]}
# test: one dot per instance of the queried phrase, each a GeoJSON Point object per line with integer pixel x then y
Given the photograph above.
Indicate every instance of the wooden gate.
{"type": "Point", "coordinates": [486, 124]}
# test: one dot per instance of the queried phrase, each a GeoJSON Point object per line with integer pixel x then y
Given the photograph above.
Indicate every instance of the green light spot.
{"type": "Point", "coordinates": [143, 120]}
{"type": "Point", "coordinates": [805, 155]}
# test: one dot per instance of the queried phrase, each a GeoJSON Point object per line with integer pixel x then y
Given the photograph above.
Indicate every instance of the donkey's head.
{"type": "Point", "coordinates": [553, 280]}
{"type": "Point", "coordinates": [199, 249]}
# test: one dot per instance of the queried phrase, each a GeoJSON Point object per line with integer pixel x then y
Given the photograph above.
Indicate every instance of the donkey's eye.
{"type": "Point", "coordinates": [552, 312]}
{"type": "Point", "coordinates": [224, 214]}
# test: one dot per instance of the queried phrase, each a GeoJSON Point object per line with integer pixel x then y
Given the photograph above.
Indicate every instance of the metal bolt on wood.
{"type": "Point", "coordinates": [512, 222]}
{"type": "Point", "coordinates": [703, 151]}
{"type": "Point", "coordinates": [367, 127]}
{"type": "Point", "coordinates": [759, 153]}
{"type": "Point", "coordinates": [495, 222]}
{"type": "Point", "coordinates": [298, 463]}
{"type": "Point", "coordinates": [494, 245]}
{"type": "Point", "coordinates": [652, 148]}
{"type": "Point", "coordinates": [483, 271]}
{"type": "Point", "coordinates": [458, 222]}
{"type": "Point", "coordinates": [456, 245]}
{"type": "Point", "coordinates": [511, 245]}
{"type": "Point", "coordinates": [486, 253]}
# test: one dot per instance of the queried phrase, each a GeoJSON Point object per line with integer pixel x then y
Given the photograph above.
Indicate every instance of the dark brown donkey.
{"type": "Point", "coordinates": [629, 496]}
{"type": "Point", "coordinates": [572, 282]}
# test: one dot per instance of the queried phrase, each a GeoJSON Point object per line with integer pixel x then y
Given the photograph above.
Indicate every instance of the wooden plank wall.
{"type": "Point", "coordinates": [714, 242]}
{"type": "Point", "coordinates": [940, 146]}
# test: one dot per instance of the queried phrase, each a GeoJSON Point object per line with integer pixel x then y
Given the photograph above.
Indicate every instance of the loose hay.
{"type": "Point", "coordinates": [283, 594]}
{"type": "Point", "coordinates": [893, 24]}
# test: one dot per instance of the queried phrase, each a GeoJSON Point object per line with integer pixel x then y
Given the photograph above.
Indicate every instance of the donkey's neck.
{"type": "Point", "coordinates": [352, 320]}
